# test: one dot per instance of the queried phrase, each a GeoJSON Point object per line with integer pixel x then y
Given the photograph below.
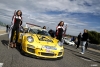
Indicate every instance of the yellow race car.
{"type": "Point", "coordinates": [37, 42]}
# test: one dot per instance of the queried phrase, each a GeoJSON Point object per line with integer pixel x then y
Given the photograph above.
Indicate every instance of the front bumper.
{"type": "Point", "coordinates": [42, 53]}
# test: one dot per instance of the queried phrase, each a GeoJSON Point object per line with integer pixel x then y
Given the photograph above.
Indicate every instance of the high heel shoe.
{"type": "Point", "coordinates": [15, 45]}
{"type": "Point", "coordinates": [11, 45]}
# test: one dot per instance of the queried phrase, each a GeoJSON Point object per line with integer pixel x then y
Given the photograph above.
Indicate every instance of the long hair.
{"type": "Point", "coordinates": [60, 23]}
{"type": "Point", "coordinates": [17, 13]}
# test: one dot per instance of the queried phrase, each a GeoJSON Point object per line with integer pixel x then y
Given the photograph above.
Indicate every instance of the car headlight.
{"type": "Point", "coordinates": [30, 39]}
{"type": "Point", "coordinates": [49, 47]}
{"type": "Point", "coordinates": [60, 44]}
{"type": "Point", "coordinates": [30, 46]}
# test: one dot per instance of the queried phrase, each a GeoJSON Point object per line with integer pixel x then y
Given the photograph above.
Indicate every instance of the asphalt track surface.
{"type": "Point", "coordinates": [72, 58]}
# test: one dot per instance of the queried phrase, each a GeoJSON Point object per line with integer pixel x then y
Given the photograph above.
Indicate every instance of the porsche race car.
{"type": "Point", "coordinates": [37, 42]}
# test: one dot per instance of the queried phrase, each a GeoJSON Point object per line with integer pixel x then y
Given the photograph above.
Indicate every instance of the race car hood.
{"type": "Point", "coordinates": [46, 40]}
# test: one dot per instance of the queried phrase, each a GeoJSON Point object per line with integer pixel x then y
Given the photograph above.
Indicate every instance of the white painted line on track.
{"type": "Point", "coordinates": [3, 34]}
{"type": "Point", "coordinates": [94, 65]}
{"type": "Point", "coordinates": [85, 59]}
{"type": "Point", "coordinates": [1, 64]}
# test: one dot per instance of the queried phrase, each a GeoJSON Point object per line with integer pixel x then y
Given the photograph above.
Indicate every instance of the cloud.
{"type": "Point", "coordinates": [51, 12]}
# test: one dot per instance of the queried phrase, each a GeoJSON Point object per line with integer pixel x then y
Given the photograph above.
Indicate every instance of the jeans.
{"type": "Point", "coordinates": [83, 46]}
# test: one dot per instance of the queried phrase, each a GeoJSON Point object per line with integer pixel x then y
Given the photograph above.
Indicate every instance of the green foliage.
{"type": "Point", "coordinates": [94, 37]}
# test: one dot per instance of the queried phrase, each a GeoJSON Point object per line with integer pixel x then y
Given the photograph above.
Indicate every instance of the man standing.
{"type": "Point", "coordinates": [84, 39]}
{"type": "Point", "coordinates": [6, 28]}
{"type": "Point", "coordinates": [79, 40]}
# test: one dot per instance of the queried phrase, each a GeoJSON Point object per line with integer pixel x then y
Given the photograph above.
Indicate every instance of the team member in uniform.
{"type": "Point", "coordinates": [60, 31]}
{"type": "Point", "coordinates": [17, 22]}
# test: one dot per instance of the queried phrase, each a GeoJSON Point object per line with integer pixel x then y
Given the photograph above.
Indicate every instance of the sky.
{"type": "Point", "coordinates": [77, 14]}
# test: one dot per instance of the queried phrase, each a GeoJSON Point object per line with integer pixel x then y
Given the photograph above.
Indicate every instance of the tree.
{"type": "Point", "coordinates": [94, 37]}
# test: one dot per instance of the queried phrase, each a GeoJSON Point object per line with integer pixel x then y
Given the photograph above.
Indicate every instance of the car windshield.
{"type": "Point", "coordinates": [41, 32]}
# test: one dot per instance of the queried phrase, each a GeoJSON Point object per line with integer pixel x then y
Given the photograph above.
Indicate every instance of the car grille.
{"type": "Point", "coordinates": [60, 53]}
{"type": "Point", "coordinates": [47, 54]}
{"type": "Point", "coordinates": [31, 50]}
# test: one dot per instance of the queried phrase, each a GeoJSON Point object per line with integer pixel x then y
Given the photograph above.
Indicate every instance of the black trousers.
{"type": "Point", "coordinates": [15, 28]}
{"type": "Point", "coordinates": [78, 44]}
{"type": "Point", "coordinates": [59, 37]}
{"type": "Point", "coordinates": [86, 45]}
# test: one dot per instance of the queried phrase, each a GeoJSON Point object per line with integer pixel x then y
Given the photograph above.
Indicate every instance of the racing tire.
{"type": "Point", "coordinates": [21, 51]}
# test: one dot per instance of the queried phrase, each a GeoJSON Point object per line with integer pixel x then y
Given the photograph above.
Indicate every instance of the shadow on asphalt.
{"type": "Point", "coordinates": [87, 58]}
{"type": "Point", "coordinates": [33, 57]}
{"type": "Point", "coordinates": [88, 51]}
{"type": "Point", "coordinates": [94, 53]}
{"type": "Point", "coordinates": [45, 59]}
{"type": "Point", "coordinates": [5, 42]}
{"type": "Point", "coordinates": [70, 50]}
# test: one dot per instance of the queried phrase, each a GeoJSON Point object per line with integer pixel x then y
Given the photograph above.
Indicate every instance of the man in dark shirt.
{"type": "Point", "coordinates": [51, 32]}
{"type": "Point", "coordinates": [84, 39]}
{"type": "Point", "coordinates": [7, 28]}
{"type": "Point", "coordinates": [79, 40]}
